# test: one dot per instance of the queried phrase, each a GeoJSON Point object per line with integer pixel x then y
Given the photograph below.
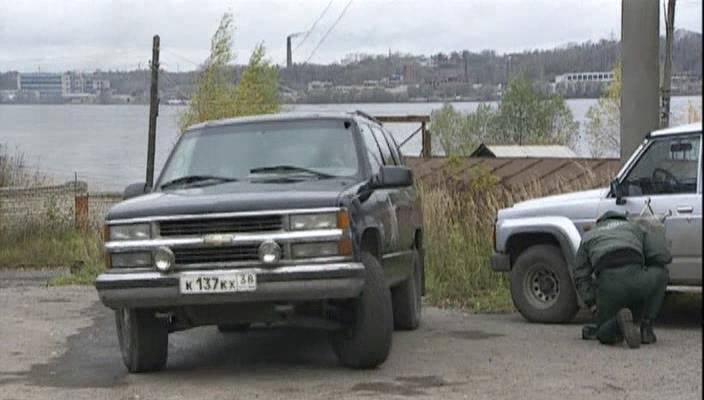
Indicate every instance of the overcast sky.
{"type": "Point", "coordinates": [85, 35]}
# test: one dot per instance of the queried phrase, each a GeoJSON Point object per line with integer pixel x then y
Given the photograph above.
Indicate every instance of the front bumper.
{"type": "Point", "coordinates": [285, 283]}
{"type": "Point", "coordinates": [500, 262]}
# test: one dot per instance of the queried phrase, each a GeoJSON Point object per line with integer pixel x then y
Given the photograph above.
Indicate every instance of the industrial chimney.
{"type": "Point", "coordinates": [289, 55]}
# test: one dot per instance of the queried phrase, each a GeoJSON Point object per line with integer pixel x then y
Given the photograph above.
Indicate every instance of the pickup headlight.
{"type": "Point", "coordinates": [313, 250]}
{"type": "Point", "coordinates": [301, 222]}
{"type": "Point", "coordinates": [126, 260]}
{"type": "Point", "coordinates": [130, 232]}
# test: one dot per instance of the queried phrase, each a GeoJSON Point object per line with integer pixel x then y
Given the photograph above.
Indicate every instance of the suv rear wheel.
{"type": "Point", "coordinates": [365, 342]}
{"type": "Point", "coordinates": [541, 286]}
{"type": "Point", "coordinates": [144, 339]}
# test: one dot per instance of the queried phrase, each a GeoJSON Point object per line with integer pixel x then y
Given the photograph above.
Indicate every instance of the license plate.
{"type": "Point", "coordinates": [226, 282]}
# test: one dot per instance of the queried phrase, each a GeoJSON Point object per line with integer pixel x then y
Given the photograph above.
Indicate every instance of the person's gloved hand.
{"type": "Point", "coordinates": [593, 309]}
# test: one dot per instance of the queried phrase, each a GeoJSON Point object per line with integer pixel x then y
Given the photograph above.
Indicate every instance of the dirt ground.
{"type": "Point", "coordinates": [60, 343]}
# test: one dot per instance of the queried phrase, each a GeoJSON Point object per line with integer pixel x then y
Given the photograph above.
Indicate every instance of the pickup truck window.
{"type": "Point", "coordinates": [668, 166]}
{"type": "Point", "coordinates": [325, 147]}
{"type": "Point", "coordinates": [374, 154]}
{"type": "Point", "coordinates": [389, 142]}
{"type": "Point", "coordinates": [384, 147]}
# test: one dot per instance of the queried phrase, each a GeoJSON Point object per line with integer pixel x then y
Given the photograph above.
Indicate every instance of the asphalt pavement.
{"type": "Point", "coordinates": [60, 343]}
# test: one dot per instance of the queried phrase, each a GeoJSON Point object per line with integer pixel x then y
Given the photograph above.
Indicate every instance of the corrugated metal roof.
{"type": "Point", "coordinates": [549, 172]}
{"type": "Point", "coordinates": [526, 151]}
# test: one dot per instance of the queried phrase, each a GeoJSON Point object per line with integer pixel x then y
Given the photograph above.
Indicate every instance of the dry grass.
{"type": "Point", "coordinates": [458, 238]}
{"type": "Point", "coordinates": [46, 240]}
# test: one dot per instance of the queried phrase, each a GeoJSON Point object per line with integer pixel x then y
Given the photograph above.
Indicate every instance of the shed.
{"type": "Point", "coordinates": [526, 151]}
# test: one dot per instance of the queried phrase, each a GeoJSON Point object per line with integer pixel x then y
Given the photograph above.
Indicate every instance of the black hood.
{"type": "Point", "coordinates": [235, 196]}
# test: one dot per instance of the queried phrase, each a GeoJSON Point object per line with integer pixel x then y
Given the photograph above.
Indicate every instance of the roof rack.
{"type": "Point", "coordinates": [367, 116]}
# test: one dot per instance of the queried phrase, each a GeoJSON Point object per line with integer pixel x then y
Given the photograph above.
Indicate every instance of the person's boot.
{"type": "Point", "coordinates": [647, 336]}
{"type": "Point", "coordinates": [624, 317]}
{"type": "Point", "coordinates": [589, 332]}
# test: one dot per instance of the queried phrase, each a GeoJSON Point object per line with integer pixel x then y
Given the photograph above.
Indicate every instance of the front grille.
{"type": "Point", "coordinates": [216, 254]}
{"type": "Point", "coordinates": [203, 226]}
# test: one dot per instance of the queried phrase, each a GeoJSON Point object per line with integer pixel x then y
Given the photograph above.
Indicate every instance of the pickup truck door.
{"type": "Point", "coordinates": [668, 176]}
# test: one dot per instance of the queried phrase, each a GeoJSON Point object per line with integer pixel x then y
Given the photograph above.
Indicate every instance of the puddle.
{"type": "Point", "coordinates": [91, 360]}
{"type": "Point", "coordinates": [474, 335]}
{"type": "Point", "coordinates": [407, 386]}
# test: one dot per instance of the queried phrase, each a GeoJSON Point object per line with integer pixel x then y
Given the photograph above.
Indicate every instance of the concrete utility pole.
{"type": "Point", "coordinates": [667, 69]}
{"type": "Point", "coordinates": [153, 111]}
{"type": "Point", "coordinates": [640, 97]}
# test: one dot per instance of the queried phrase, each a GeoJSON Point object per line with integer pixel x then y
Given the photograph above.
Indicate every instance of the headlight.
{"type": "Point", "coordinates": [313, 221]}
{"type": "Point", "coordinates": [126, 260]}
{"type": "Point", "coordinates": [130, 232]}
{"type": "Point", "coordinates": [312, 250]}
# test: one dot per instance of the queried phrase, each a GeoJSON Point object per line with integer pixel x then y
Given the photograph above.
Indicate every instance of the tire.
{"type": "Point", "coordinates": [230, 328]}
{"type": "Point", "coordinates": [366, 341]}
{"type": "Point", "coordinates": [541, 286]}
{"type": "Point", "coordinates": [407, 299]}
{"type": "Point", "coordinates": [144, 339]}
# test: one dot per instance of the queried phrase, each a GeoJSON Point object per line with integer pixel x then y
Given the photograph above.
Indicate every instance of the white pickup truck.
{"type": "Point", "coordinates": [536, 240]}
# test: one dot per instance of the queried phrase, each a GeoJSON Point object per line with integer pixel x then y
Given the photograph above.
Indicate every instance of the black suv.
{"type": "Point", "coordinates": [300, 219]}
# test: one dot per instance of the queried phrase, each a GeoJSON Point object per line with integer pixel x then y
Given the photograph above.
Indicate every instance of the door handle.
{"type": "Point", "coordinates": [685, 209]}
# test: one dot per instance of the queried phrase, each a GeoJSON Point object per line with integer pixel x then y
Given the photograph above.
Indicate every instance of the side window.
{"type": "Point", "coordinates": [395, 152]}
{"type": "Point", "coordinates": [373, 153]}
{"type": "Point", "coordinates": [384, 146]}
{"type": "Point", "coordinates": [668, 166]}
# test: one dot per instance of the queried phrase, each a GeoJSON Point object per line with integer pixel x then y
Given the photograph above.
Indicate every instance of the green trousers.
{"type": "Point", "coordinates": [640, 289]}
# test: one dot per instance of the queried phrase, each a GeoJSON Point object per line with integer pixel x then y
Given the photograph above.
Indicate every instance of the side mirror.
{"type": "Point", "coordinates": [135, 189]}
{"type": "Point", "coordinates": [393, 176]}
{"type": "Point", "coordinates": [617, 190]}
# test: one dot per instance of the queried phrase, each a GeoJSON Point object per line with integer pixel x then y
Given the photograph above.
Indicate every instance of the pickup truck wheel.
{"type": "Point", "coordinates": [407, 300]}
{"type": "Point", "coordinates": [365, 342]}
{"type": "Point", "coordinates": [541, 287]}
{"type": "Point", "coordinates": [144, 339]}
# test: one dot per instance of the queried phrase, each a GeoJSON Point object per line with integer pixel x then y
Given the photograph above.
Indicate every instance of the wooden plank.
{"type": "Point", "coordinates": [403, 118]}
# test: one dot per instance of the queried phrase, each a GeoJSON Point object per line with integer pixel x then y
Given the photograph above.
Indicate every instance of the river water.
{"type": "Point", "coordinates": [105, 145]}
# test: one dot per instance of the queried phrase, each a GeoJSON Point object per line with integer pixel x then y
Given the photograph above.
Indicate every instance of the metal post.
{"type": "Point", "coordinates": [426, 149]}
{"type": "Point", "coordinates": [153, 111]}
{"type": "Point", "coordinates": [667, 69]}
{"type": "Point", "coordinates": [640, 97]}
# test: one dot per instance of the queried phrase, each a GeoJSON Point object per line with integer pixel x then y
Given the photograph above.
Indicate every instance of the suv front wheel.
{"type": "Point", "coordinates": [365, 341]}
{"type": "Point", "coordinates": [144, 339]}
{"type": "Point", "coordinates": [541, 286]}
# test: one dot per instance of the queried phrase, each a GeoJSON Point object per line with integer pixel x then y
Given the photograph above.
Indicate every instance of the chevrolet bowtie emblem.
{"type": "Point", "coordinates": [218, 239]}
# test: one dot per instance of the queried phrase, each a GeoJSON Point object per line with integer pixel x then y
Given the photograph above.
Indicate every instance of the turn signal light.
{"type": "Point", "coordinates": [344, 247]}
{"type": "Point", "coordinates": [343, 219]}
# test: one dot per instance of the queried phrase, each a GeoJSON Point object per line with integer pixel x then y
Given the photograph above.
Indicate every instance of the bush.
{"type": "Point", "coordinates": [524, 116]}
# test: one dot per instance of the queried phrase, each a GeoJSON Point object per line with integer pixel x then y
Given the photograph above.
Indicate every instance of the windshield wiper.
{"type": "Point", "coordinates": [289, 169]}
{"type": "Point", "coordinates": [190, 180]}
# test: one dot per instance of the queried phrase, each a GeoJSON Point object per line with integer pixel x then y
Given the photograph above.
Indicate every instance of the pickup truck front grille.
{"type": "Point", "coordinates": [186, 256]}
{"type": "Point", "coordinates": [203, 226]}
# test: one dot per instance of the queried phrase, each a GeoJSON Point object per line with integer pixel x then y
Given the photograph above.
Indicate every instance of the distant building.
{"type": "Point", "coordinates": [42, 84]}
{"type": "Point", "coordinates": [585, 77]}
{"type": "Point", "coordinates": [409, 73]}
{"type": "Point", "coordinates": [526, 151]}
{"type": "Point", "coordinates": [319, 85]}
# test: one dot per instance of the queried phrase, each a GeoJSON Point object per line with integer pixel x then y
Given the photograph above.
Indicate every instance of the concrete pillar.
{"type": "Point", "coordinates": [640, 95]}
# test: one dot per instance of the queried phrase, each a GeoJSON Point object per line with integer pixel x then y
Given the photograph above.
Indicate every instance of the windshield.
{"type": "Point", "coordinates": [308, 149]}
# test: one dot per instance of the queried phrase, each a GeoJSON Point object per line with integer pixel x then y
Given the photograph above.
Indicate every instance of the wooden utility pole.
{"type": "Point", "coordinates": [667, 69]}
{"type": "Point", "coordinates": [153, 111]}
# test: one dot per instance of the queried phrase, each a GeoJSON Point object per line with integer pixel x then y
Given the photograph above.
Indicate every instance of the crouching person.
{"type": "Point", "coordinates": [620, 275]}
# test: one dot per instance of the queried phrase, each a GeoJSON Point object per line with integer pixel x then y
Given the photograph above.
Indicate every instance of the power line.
{"type": "Point", "coordinates": [342, 14]}
{"type": "Point", "coordinates": [310, 30]}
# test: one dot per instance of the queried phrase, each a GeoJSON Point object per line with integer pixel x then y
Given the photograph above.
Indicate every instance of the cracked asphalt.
{"type": "Point", "coordinates": [60, 343]}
